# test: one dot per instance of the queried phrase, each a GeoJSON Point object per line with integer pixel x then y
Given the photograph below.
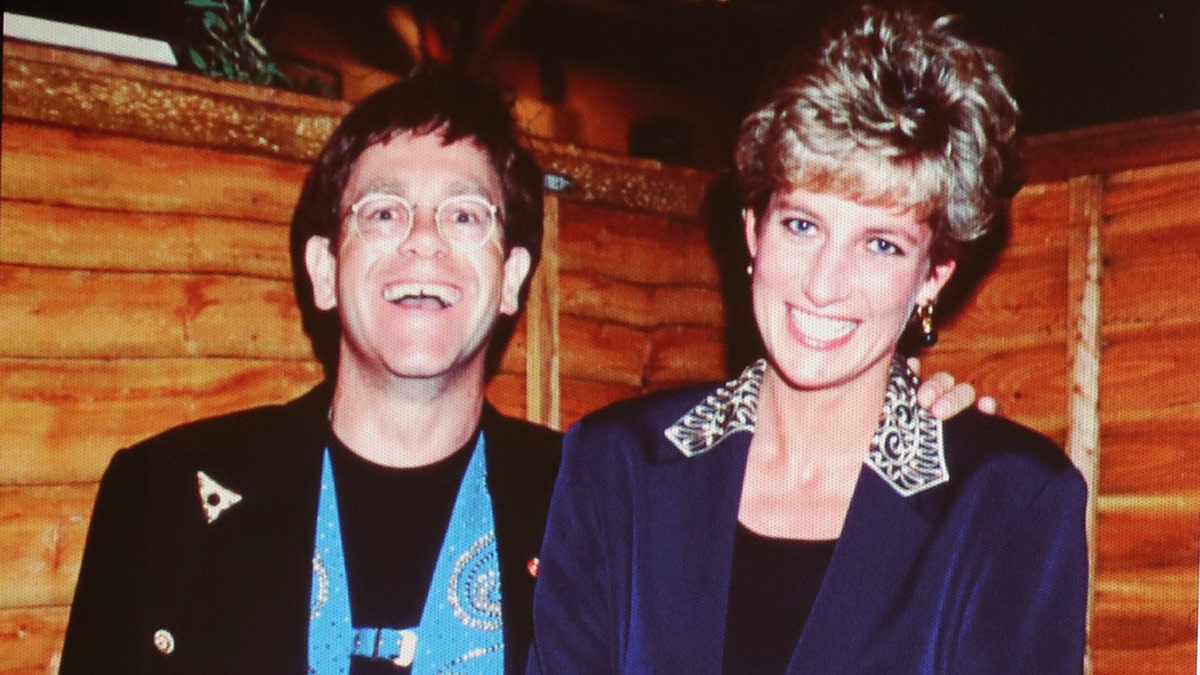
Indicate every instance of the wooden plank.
{"type": "Point", "coordinates": [1022, 301]}
{"type": "Point", "coordinates": [1083, 350]}
{"type": "Point", "coordinates": [506, 391]}
{"type": "Point", "coordinates": [635, 247]}
{"type": "Point", "coordinates": [244, 317]}
{"type": "Point", "coordinates": [543, 350]}
{"type": "Point", "coordinates": [76, 313]}
{"type": "Point", "coordinates": [60, 421]}
{"type": "Point", "coordinates": [83, 314]}
{"type": "Point", "coordinates": [681, 355]}
{"type": "Point", "coordinates": [1030, 384]}
{"type": "Point", "coordinates": [1148, 531]}
{"type": "Point", "coordinates": [515, 358]}
{"type": "Point", "coordinates": [31, 640]}
{"type": "Point", "coordinates": [44, 528]}
{"type": "Point", "coordinates": [53, 165]}
{"type": "Point", "coordinates": [594, 296]}
{"type": "Point", "coordinates": [602, 352]}
{"type": "Point", "coordinates": [1169, 190]}
{"type": "Point", "coordinates": [1113, 147]}
{"type": "Point", "coordinates": [1146, 610]}
{"type": "Point", "coordinates": [1150, 456]}
{"type": "Point", "coordinates": [1150, 375]}
{"type": "Point", "coordinates": [1040, 209]}
{"type": "Point", "coordinates": [1161, 243]}
{"type": "Point", "coordinates": [99, 93]}
{"type": "Point", "coordinates": [46, 235]}
{"type": "Point", "coordinates": [1173, 659]}
{"type": "Point", "coordinates": [602, 178]}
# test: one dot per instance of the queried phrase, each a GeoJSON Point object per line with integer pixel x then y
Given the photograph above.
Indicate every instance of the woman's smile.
{"type": "Point", "coordinates": [820, 331]}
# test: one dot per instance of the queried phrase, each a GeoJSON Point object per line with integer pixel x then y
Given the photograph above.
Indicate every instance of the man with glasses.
{"type": "Point", "coordinates": [390, 519]}
{"type": "Point", "coordinates": [412, 245]}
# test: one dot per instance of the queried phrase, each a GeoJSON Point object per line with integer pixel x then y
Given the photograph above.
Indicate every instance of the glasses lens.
{"type": "Point", "coordinates": [466, 220]}
{"type": "Point", "coordinates": [382, 216]}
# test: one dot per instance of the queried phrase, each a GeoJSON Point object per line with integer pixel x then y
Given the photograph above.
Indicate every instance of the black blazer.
{"type": "Point", "coordinates": [163, 590]}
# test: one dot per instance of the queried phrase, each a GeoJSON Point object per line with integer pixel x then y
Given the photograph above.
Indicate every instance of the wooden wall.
{"type": "Point", "coordinates": [1089, 330]}
{"type": "Point", "coordinates": [144, 283]}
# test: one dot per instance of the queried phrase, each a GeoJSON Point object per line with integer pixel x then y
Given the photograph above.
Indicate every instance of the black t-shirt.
{"type": "Point", "coordinates": [771, 592]}
{"type": "Point", "coordinates": [393, 522]}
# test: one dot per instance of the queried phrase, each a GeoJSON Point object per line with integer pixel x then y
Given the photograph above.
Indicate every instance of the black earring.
{"type": "Point", "coordinates": [929, 334]}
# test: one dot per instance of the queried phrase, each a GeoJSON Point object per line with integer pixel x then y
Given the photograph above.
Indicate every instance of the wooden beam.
{"type": "Point", "coordinates": [1084, 346]}
{"type": "Point", "coordinates": [542, 378]}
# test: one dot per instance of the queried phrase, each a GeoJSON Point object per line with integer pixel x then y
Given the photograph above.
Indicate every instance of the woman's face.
{"type": "Point", "coordinates": [835, 282]}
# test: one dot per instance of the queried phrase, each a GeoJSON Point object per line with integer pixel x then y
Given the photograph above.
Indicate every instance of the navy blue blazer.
{"type": "Point", "coordinates": [233, 592]}
{"type": "Point", "coordinates": [963, 550]}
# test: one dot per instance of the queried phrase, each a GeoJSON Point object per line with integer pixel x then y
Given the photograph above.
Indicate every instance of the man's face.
{"type": "Point", "coordinates": [416, 306]}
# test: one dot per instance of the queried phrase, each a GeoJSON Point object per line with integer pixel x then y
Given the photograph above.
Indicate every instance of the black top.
{"type": "Point", "coordinates": [771, 592]}
{"type": "Point", "coordinates": [380, 506]}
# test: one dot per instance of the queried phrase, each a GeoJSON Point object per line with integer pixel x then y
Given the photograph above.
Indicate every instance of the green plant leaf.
{"type": "Point", "coordinates": [198, 61]}
{"type": "Point", "coordinates": [205, 4]}
{"type": "Point", "coordinates": [212, 21]}
{"type": "Point", "coordinates": [258, 46]}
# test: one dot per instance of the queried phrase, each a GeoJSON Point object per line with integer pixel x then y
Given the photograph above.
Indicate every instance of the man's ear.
{"type": "Point", "coordinates": [516, 269]}
{"type": "Point", "coordinates": [322, 271]}
{"type": "Point", "coordinates": [751, 226]}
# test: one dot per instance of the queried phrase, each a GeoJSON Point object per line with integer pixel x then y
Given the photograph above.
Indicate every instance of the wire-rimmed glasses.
{"type": "Point", "coordinates": [464, 221]}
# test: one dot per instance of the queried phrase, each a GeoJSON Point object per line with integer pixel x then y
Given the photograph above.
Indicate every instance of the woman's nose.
{"type": "Point", "coordinates": [827, 275]}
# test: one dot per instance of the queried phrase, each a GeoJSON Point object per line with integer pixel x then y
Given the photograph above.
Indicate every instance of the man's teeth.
{"type": "Point", "coordinates": [446, 295]}
{"type": "Point", "coordinates": [820, 327]}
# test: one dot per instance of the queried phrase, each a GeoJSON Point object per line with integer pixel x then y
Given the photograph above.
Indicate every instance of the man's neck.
{"type": "Point", "coordinates": [406, 423]}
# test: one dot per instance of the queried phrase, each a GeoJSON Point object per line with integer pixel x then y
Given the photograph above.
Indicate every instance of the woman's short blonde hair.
{"type": "Point", "coordinates": [895, 107]}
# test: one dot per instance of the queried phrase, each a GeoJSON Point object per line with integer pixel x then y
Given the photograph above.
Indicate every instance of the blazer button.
{"type": "Point", "coordinates": [164, 642]}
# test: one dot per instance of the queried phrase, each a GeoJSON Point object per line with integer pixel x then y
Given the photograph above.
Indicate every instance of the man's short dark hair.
{"type": "Point", "coordinates": [453, 104]}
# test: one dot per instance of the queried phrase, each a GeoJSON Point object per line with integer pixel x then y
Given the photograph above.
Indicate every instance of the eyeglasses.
{"type": "Point", "coordinates": [464, 221]}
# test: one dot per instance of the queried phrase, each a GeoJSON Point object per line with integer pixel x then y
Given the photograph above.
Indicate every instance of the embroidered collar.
{"type": "Point", "coordinates": [908, 450]}
{"type": "Point", "coordinates": [733, 407]}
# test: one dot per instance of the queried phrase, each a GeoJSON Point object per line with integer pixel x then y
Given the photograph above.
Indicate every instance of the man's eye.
{"type": "Point", "coordinates": [464, 217]}
{"type": "Point", "coordinates": [382, 214]}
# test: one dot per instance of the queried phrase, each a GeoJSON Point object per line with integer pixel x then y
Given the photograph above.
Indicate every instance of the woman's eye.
{"type": "Point", "coordinates": [799, 225]}
{"type": "Point", "coordinates": [884, 247]}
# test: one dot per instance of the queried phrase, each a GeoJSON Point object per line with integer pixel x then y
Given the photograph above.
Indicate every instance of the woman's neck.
{"type": "Point", "coordinates": [806, 455]}
{"type": "Point", "coordinates": [829, 427]}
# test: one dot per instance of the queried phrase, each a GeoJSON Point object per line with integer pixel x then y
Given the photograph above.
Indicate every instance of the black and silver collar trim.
{"type": "Point", "coordinates": [733, 407]}
{"type": "Point", "coordinates": [908, 451]}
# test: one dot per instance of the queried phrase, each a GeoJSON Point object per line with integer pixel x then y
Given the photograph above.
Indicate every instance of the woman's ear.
{"type": "Point", "coordinates": [938, 277]}
{"type": "Point", "coordinates": [750, 224]}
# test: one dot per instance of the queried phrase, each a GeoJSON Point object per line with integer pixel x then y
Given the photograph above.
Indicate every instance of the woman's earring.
{"type": "Point", "coordinates": [750, 269]}
{"type": "Point", "coordinates": [928, 333]}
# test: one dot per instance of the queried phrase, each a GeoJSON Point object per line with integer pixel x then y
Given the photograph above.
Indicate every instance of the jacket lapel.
{"type": "Point", "coordinates": [522, 463]}
{"type": "Point", "coordinates": [886, 529]}
{"type": "Point", "coordinates": [684, 557]}
{"type": "Point", "coordinates": [258, 553]}
{"type": "Point", "coordinates": [880, 544]}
